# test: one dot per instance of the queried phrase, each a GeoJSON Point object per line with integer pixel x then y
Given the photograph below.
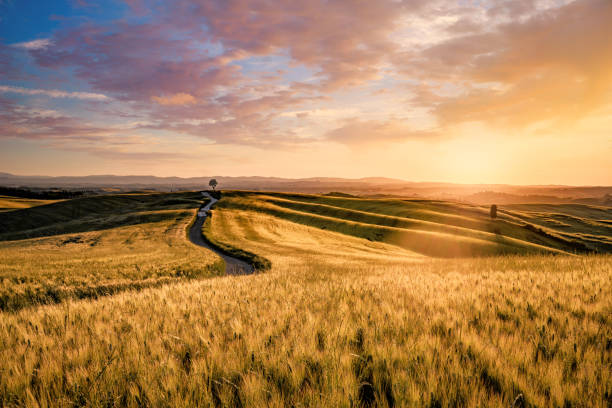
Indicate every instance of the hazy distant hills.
{"type": "Point", "coordinates": [253, 182]}
{"type": "Point", "coordinates": [370, 186]}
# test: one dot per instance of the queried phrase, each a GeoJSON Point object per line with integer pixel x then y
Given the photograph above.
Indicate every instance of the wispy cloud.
{"type": "Point", "coordinates": [356, 133]}
{"type": "Point", "coordinates": [283, 75]}
{"type": "Point", "coordinates": [180, 98]}
{"type": "Point", "coordinates": [54, 93]}
{"type": "Point", "coordinates": [553, 66]}
{"type": "Point", "coordinates": [39, 44]}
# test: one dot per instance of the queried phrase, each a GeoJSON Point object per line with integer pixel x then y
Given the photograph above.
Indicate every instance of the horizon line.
{"type": "Point", "coordinates": [309, 178]}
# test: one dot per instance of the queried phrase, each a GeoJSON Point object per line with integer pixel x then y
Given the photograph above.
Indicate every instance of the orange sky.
{"type": "Point", "coordinates": [516, 92]}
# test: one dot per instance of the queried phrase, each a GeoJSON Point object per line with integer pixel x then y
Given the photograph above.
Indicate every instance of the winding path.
{"type": "Point", "coordinates": [233, 266]}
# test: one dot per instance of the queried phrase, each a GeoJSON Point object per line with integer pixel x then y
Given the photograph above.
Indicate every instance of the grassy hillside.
{"type": "Point", "coordinates": [93, 214]}
{"type": "Point", "coordinates": [433, 228]}
{"type": "Point", "coordinates": [114, 243]}
{"type": "Point", "coordinates": [351, 313]}
{"type": "Point", "coordinates": [8, 203]}
{"type": "Point", "coordinates": [287, 243]}
{"type": "Point", "coordinates": [587, 223]}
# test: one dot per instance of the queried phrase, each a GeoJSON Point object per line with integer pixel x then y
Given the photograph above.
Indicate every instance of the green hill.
{"type": "Point", "coordinates": [433, 228]}
{"type": "Point", "coordinates": [97, 246]}
{"type": "Point", "coordinates": [93, 213]}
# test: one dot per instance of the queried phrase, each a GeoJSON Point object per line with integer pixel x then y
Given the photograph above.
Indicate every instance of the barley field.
{"type": "Point", "coordinates": [442, 229]}
{"type": "Point", "coordinates": [8, 203]}
{"type": "Point", "coordinates": [339, 320]}
{"type": "Point", "coordinates": [116, 243]}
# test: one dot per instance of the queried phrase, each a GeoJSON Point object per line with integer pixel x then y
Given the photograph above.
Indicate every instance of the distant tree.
{"type": "Point", "coordinates": [213, 183]}
{"type": "Point", "coordinates": [494, 211]}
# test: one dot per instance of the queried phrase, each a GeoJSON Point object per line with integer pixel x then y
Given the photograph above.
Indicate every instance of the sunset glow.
{"type": "Point", "coordinates": [516, 91]}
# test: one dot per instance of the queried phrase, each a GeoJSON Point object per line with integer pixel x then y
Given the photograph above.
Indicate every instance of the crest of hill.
{"type": "Point", "coordinates": [438, 228]}
{"type": "Point", "coordinates": [367, 186]}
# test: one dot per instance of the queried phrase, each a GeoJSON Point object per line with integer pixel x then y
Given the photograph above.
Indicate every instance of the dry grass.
{"type": "Point", "coordinates": [338, 321]}
{"type": "Point", "coordinates": [8, 203]}
{"type": "Point", "coordinates": [102, 261]}
{"type": "Point", "coordinates": [588, 223]}
{"type": "Point", "coordinates": [289, 243]}
{"type": "Point", "coordinates": [440, 333]}
{"type": "Point", "coordinates": [405, 223]}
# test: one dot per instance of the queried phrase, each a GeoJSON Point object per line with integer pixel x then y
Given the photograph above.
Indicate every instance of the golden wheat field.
{"type": "Point", "coordinates": [113, 244]}
{"type": "Point", "coordinates": [306, 203]}
{"type": "Point", "coordinates": [351, 313]}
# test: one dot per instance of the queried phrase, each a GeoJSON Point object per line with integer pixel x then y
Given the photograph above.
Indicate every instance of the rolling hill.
{"type": "Point", "coordinates": [366, 186]}
{"type": "Point", "coordinates": [431, 228]}
{"type": "Point", "coordinates": [95, 246]}
{"type": "Point", "coordinates": [360, 306]}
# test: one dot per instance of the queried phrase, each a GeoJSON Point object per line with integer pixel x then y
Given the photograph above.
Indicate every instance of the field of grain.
{"type": "Point", "coordinates": [588, 223]}
{"type": "Point", "coordinates": [339, 320]}
{"type": "Point", "coordinates": [433, 228]}
{"type": "Point", "coordinates": [482, 332]}
{"type": "Point", "coordinates": [123, 242]}
{"type": "Point", "coordinates": [13, 203]}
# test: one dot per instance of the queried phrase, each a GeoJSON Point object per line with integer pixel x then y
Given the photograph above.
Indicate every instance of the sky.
{"type": "Point", "coordinates": [465, 91]}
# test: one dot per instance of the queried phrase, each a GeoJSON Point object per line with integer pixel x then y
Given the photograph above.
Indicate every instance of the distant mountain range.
{"type": "Point", "coordinates": [369, 186]}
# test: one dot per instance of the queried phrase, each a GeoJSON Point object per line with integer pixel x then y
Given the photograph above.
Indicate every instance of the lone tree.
{"type": "Point", "coordinates": [213, 183]}
{"type": "Point", "coordinates": [494, 211]}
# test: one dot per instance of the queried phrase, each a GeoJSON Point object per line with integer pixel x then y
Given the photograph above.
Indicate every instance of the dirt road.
{"type": "Point", "coordinates": [233, 266]}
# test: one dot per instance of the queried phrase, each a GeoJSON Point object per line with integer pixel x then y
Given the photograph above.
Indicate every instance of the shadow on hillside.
{"type": "Point", "coordinates": [92, 214]}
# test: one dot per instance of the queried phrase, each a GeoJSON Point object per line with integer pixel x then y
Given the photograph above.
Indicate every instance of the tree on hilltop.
{"type": "Point", "coordinates": [213, 183]}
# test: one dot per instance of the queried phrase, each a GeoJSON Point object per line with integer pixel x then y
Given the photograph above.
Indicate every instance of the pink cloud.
{"type": "Point", "coordinates": [556, 65]}
{"type": "Point", "coordinates": [136, 62]}
{"type": "Point", "coordinates": [66, 133]}
{"type": "Point", "coordinates": [165, 69]}
{"type": "Point", "coordinates": [180, 71]}
{"type": "Point", "coordinates": [141, 61]}
{"type": "Point", "coordinates": [27, 123]}
{"type": "Point", "coordinates": [321, 34]}
{"type": "Point", "coordinates": [38, 44]}
{"type": "Point", "coordinates": [53, 93]}
{"type": "Point", "coordinates": [180, 98]}
{"type": "Point", "coordinates": [355, 132]}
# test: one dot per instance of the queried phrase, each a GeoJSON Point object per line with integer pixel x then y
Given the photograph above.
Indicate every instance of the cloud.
{"type": "Point", "coordinates": [464, 25]}
{"type": "Point", "coordinates": [554, 66]}
{"type": "Point", "coordinates": [195, 67]}
{"type": "Point", "coordinates": [122, 154]}
{"type": "Point", "coordinates": [138, 62]}
{"type": "Point", "coordinates": [312, 33]}
{"type": "Point", "coordinates": [27, 123]}
{"type": "Point", "coordinates": [35, 44]}
{"type": "Point", "coordinates": [180, 98]}
{"type": "Point", "coordinates": [199, 52]}
{"type": "Point", "coordinates": [355, 132]}
{"type": "Point", "coordinates": [10, 67]}
{"type": "Point", "coordinates": [194, 48]}
{"type": "Point", "coordinates": [58, 131]}
{"type": "Point", "coordinates": [54, 93]}
{"type": "Point", "coordinates": [512, 9]}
